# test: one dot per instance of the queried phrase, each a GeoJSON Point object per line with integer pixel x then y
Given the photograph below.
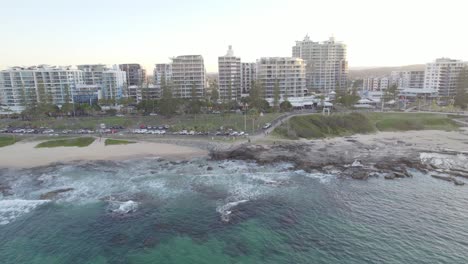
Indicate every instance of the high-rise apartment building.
{"type": "Point", "coordinates": [288, 73]}
{"type": "Point", "coordinates": [376, 84]}
{"type": "Point", "coordinates": [327, 66]}
{"type": "Point", "coordinates": [162, 73]}
{"type": "Point", "coordinates": [229, 76]}
{"type": "Point", "coordinates": [188, 78]}
{"type": "Point", "coordinates": [248, 75]}
{"type": "Point", "coordinates": [135, 74]}
{"type": "Point", "coordinates": [92, 73]}
{"type": "Point", "coordinates": [113, 81]}
{"type": "Point", "coordinates": [23, 86]}
{"type": "Point", "coordinates": [408, 79]}
{"type": "Point", "coordinates": [442, 75]}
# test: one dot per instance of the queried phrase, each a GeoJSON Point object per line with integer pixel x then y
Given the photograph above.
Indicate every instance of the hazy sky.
{"type": "Point", "coordinates": [377, 32]}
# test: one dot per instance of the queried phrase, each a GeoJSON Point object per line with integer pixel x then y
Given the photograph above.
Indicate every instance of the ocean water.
{"type": "Point", "coordinates": [155, 211]}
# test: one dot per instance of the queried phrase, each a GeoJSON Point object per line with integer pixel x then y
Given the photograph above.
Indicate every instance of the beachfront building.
{"type": "Point", "coordinates": [229, 76]}
{"type": "Point", "coordinates": [248, 75]}
{"type": "Point", "coordinates": [24, 86]}
{"type": "Point", "coordinates": [376, 83]}
{"type": "Point", "coordinates": [113, 81]}
{"type": "Point", "coordinates": [407, 79]}
{"type": "Point", "coordinates": [288, 73]}
{"type": "Point", "coordinates": [442, 76]}
{"type": "Point", "coordinates": [135, 74]}
{"type": "Point", "coordinates": [188, 76]}
{"type": "Point", "coordinates": [327, 65]}
{"type": "Point", "coordinates": [146, 92]}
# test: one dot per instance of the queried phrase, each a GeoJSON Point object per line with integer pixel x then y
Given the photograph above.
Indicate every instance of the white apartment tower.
{"type": "Point", "coordinates": [442, 76]}
{"type": "Point", "coordinates": [229, 76]}
{"type": "Point", "coordinates": [22, 86]}
{"type": "Point", "coordinates": [408, 79]}
{"type": "Point", "coordinates": [288, 73]}
{"type": "Point", "coordinates": [327, 66]}
{"type": "Point", "coordinates": [248, 75]}
{"type": "Point", "coordinates": [113, 81]}
{"type": "Point", "coordinates": [376, 84]}
{"type": "Point", "coordinates": [188, 76]}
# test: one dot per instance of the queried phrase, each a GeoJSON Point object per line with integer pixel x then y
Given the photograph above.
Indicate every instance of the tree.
{"type": "Point", "coordinates": [256, 95]}
{"type": "Point", "coordinates": [461, 98]}
{"type": "Point", "coordinates": [286, 106]}
{"type": "Point", "coordinates": [276, 96]}
{"type": "Point", "coordinates": [167, 103]}
{"type": "Point", "coordinates": [214, 95]}
{"type": "Point", "coordinates": [346, 99]}
{"type": "Point", "coordinates": [391, 93]}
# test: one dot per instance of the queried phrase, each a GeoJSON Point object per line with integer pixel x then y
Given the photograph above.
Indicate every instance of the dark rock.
{"type": "Point", "coordinates": [5, 190]}
{"type": "Point", "coordinates": [51, 195]}
{"type": "Point", "coordinates": [150, 242]}
{"type": "Point", "coordinates": [119, 239]}
{"type": "Point", "coordinates": [390, 176]}
{"type": "Point", "coordinates": [362, 175]}
{"type": "Point", "coordinates": [445, 178]}
{"type": "Point", "coordinates": [458, 183]}
{"type": "Point", "coordinates": [209, 168]}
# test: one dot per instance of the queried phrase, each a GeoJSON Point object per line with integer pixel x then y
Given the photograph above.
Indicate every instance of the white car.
{"type": "Point", "coordinates": [191, 133]}
{"type": "Point", "coordinates": [267, 125]}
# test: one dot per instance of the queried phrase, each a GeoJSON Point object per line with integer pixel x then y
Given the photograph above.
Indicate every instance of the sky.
{"type": "Point", "coordinates": [377, 32]}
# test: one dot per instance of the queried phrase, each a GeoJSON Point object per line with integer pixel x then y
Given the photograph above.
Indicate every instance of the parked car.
{"type": "Point", "coordinates": [267, 125]}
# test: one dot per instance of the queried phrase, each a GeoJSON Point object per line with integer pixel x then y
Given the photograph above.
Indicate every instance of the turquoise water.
{"type": "Point", "coordinates": [153, 211]}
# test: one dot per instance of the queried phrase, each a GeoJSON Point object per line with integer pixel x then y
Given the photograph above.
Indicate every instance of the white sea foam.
{"type": "Point", "coordinates": [225, 210]}
{"type": "Point", "coordinates": [123, 207]}
{"type": "Point", "coordinates": [322, 177]}
{"type": "Point", "coordinates": [12, 209]}
{"type": "Point", "coordinates": [445, 161]}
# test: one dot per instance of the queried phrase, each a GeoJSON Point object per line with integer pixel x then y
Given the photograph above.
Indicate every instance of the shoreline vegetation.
{"type": "Point", "coordinates": [320, 126]}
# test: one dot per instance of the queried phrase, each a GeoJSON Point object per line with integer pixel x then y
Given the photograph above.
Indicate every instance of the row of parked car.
{"type": "Point", "coordinates": [149, 131]}
{"type": "Point", "coordinates": [27, 131]}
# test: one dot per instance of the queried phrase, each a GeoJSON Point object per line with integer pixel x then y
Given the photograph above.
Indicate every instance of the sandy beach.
{"type": "Point", "coordinates": [25, 155]}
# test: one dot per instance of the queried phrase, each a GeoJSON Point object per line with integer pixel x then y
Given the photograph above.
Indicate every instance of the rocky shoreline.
{"type": "Point", "coordinates": [348, 157]}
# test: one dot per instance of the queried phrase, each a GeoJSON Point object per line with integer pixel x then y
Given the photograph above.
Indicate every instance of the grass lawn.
{"type": "Point", "coordinates": [411, 121]}
{"type": "Point", "coordinates": [319, 126]}
{"type": "Point", "coordinates": [8, 140]}
{"type": "Point", "coordinates": [72, 142]}
{"type": "Point", "coordinates": [117, 142]}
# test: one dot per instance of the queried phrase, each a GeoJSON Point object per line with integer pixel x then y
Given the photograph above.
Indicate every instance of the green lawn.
{"type": "Point", "coordinates": [117, 142]}
{"type": "Point", "coordinates": [7, 140]}
{"type": "Point", "coordinates": [72, 142]}
{"type": "Point", "coordinates": [411, 121]}
{"type": "Point", "coordinates": [319, 126]}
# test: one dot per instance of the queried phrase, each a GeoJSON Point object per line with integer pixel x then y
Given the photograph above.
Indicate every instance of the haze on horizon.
{"type": "Point", "coordinates": [377, 33]}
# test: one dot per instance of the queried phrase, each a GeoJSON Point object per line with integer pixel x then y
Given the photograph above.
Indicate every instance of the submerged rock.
{"type": "Point", "coordinates": [449, 179]}
{"type": "Point", "coordinates": [53, 194]}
